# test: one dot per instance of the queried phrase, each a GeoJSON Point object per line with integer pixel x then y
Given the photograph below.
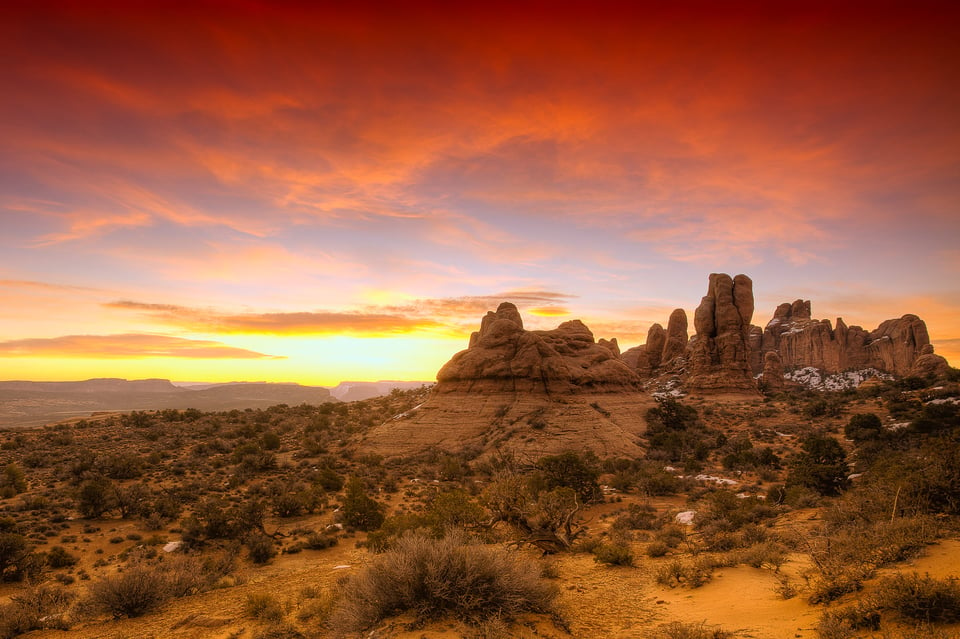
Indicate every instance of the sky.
{"type": "Point", "coordinates": [317, 192]}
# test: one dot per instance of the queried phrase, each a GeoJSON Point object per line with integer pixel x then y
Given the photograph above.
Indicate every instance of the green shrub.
{"type": "Point", "coordinates": [441, 576]}
{"type": "Point", "coordinates": [359, 510]}
{"type": "Point", "coordinates": [821, 465]}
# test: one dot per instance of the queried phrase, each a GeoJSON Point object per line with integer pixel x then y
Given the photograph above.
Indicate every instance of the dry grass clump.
{"type": "Point", "coordinates": [691, 574]}
{"type": "Point", "coordinates": [681, 630]}
{"type": "Point", "coordinates": [433, 577]}
{"type": "Point", "coordinates": [263, 606]}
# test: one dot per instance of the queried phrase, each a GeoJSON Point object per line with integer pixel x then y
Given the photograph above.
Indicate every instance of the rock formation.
{"type": "Point", "coordinates": [720, 353]}
{"type": "Point", "coordinates": [676, 338]}
{"type": "Point", "coordinates": [503, 357]}
{"type": "Point", "coordinates": [534, 392]}
{"type": "Point", "coordinates": [771, 379]}
{"type": "Point", "coordinates": [801, 341]}
{"type": "Point", "coordinates": [929, 364]}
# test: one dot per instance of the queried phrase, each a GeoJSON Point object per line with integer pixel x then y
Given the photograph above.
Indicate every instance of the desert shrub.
{"type": "Point", "coordinates": [572, 470]}
{"type": "Point", "coordinates": [923, 599]}
{"type": "Point", "coordinates": [58, 557]}
{"type": "Point", "coordinates": [441, 576]}
{"type": "Point", "coordinates": [35, 609]}
{"type": "Point", "coordinates": [846, 623]}
{"type": "Point", "coordinates": [768, 554]}
{"type": "Point", "coordinates": [12, 481]}
{"type": "Point", "coordinates": [672, 535]}
{"type": "Point", "coordinates": [637, 517]}
{"type": "Point", "coordinates": [692, 574]}
{"type": "Point", "coordinates": [13, 549]}
{"type": "Point", "coordinates": [863, 427]}
{"type": "Point", "coordinates": [320, 541]}
{"type": "Point", "coordinates": [214, 518]}
{"type": "Point", "coordinates": [293, 499]}
{"type": "Point", "coordinates": [95, 497]}
{"type": "Point", "coordinates": [131, 593]}
{"type": "Point", "coordinates": [120, 466]}
{"type": "Point", "coordinates": [685, 630]}
{"type": "Point", "coordinates": [821, 465]}
{"type": "Point", "coordinates": [358, 509]}
{"type": "Point", "coordinates": [264, 607]}
{"type": "Point", "coordinates": [260, 547]}
{"type": "Point", "coordinates": [657, 549]}
{"type": "Point", "coordinates": [675, 432]}
{"type": "Point", "coordinates": [613, 554]}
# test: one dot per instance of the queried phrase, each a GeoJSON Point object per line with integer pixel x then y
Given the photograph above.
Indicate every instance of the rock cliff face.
{"type": "Point", "coordinates": [720, 352]}
{"type": "Point", "coordinates": [893, 347]}
{"type": "Point", "coordinates": [662, 348]}
{"type": "Point", "coordinates": [676, 339]}
{"type": "Point", "coordinates": [503, 357]}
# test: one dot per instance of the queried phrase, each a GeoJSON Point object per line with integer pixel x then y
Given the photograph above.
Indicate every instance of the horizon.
{"type": "Point", "coordinates": [320, 194]}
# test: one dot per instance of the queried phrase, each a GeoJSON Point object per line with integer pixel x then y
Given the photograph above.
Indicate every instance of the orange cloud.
{"type": "Point", "coordinates": [453, 316]}
{"type": "Point", "coordinates": [549, 311]}
{"type": "Point", "coordinates": [125, 346]}
{"type": "Point", "coordinates": [300, 323]}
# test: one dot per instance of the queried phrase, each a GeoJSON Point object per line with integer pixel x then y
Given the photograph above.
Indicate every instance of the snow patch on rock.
{"type": "Point", "coordinates": [815, 379]}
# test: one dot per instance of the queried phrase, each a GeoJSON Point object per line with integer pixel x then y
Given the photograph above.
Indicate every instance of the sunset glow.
{"type": "Point", "coordinates": [319, 192]}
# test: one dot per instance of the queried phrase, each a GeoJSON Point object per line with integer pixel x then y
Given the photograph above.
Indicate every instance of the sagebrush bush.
{"type": "Point", "coordinates": [131, 593]}
{"type": "Point", "coordinates": [433, 577]}
{"type": "Point", "coordinates": [613, 554]}
{"type": "Point", "coordinates": [924, 599]}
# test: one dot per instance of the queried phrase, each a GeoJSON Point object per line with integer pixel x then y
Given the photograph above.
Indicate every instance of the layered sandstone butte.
{"type": "Point", "coordinates": [534, 392]}
{"type": "Point", "coordinates": [720, 351]}
{"type": "Point", "coordinates": [893, 347]}
{"type": "Point", "coordinates": [504, 357]}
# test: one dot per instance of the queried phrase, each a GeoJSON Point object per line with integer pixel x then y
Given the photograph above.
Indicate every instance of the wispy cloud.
{"type": "Point", "coordinates": [125, 346]}
{"type": "Point", "coordinates": [297, 323]}
{"type": "Point", "coordinates": [431, 315]}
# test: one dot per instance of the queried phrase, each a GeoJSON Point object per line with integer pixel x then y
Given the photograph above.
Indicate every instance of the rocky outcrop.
{"type": "Point", "coordinates": [929, 364]}
{"type": "Point", "coordinates": [720, 354]}
{"type": "Point", "coordinates": [650, 354]}
{"type": "Point", "coordinates": [771, 379]}
{"type": "Point", "coordinates": [675, 344]}
{"type": "Point", "coordinates": [503, 357]}
{"type": "Point", "coordinates": [802, 342]}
